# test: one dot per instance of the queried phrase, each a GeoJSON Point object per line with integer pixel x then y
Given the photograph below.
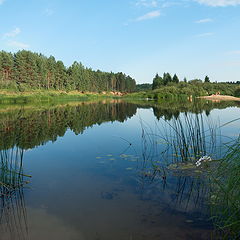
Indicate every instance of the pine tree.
{"type": "Point", "coordinates": [175, 79]}
{"type": "Point", "coordinates": [206, 80]}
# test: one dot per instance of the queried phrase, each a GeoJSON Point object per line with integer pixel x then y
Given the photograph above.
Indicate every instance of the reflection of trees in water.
{"type": "Point", "coordinates": [13, 217]}
{"type": "Point", "coordinates": [169, 110]}
{"type": "Point", "coordinates": [30, 128]}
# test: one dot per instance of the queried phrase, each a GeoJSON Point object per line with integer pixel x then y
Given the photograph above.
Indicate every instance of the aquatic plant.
{"type": "Point", "coordinates": [225, 195]}
{"type": "Point", "coordinates": [13, 217]}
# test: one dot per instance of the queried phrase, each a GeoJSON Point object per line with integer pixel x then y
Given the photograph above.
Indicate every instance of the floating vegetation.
{"type": "Point", "coordinates": [182, 166]}
{"type": "Point", "coordinates": [129, 168]}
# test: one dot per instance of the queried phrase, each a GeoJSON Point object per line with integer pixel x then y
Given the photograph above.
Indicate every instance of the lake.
{"type": "Point", "coordinates": [110, 169]}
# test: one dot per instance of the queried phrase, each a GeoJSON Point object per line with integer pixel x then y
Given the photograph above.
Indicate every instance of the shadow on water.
{"type": "Point", "coordinates": [13, 216]}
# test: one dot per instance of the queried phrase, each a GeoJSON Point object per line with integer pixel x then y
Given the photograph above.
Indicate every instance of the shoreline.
{"type": "Point", "coordinates": [8, 96]}
{"type": "Point", "coordinates": [220, 98]}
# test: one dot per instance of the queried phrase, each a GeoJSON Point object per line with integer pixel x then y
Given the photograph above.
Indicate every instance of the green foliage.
{"type": "Point", "coordinates": [157, 82]}
{"type": "Point", "coordinates": [226, 194]}
{"type": "Point", "coordinates": [143, 87]}
{"type": "Point", "coordinates": [27, 70]}
{"type": "Point", "coordinates": [237, 92]}
{"type": "Point", "coordinates": [183, 89]}
{"type": "Point", "coordinates": [206, 80]}
{"type": "Point", "coordinates": [166, 78]}
{"type": "Point", "coordinates": [175, 79]}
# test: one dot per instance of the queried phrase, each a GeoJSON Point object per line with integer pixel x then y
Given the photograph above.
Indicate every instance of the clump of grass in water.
{"type": "Point", "coordinates": [182, 140]}
{"type": "Point", "coordinates": [190, 138]}
{"type": "Point", "coordinates": [174, 147]}
{"type": "Point", "coordinates": [225, 199]}
{"type": "Point", "coordinates": [11, 170]}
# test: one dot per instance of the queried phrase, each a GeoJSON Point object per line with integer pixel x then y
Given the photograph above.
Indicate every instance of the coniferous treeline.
{"type": "Point", "coordinates": [163, 81]}
{"type": "Point", "coordinates": [26, 70]}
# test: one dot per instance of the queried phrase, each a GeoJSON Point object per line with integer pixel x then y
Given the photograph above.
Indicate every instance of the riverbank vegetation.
{"type": "Point", "coordinates": [168, 87]}
{"type": "Point", "coordinates": [9, 96]}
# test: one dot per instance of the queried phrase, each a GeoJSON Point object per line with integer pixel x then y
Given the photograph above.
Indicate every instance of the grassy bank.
{"type": "Point", "coordinates": [8, 96]}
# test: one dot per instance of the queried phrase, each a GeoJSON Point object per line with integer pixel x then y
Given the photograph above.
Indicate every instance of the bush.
{"type": "Point", "coordinates": [237, 92]}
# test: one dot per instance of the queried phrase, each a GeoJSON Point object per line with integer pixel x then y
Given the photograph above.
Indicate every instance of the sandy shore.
{"type": "Point", "coordinates": [221, 98]}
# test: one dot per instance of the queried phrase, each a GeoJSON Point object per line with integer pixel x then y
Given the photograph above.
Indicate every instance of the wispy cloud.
{"type": "Point", "coordinates": [150, 15]}
{"type": "Point", "coordinates": [18, 45]}
{"type": "Point", "coordinates": [236, 52]}
{"type": "Point", "coordinates": [205, 20]}
{"type": "Point", "coordinates": [48, 12]}
{"type": "Point", "coordinates": [205, 34]}
{"type": "Point", "coordinates": [2, 1]}
{"type": "Point", "coordinates": [12, 33]}
{"type": "Point", "coordinates": [219, 3]}
{"type": "Point", "coordinates": [147, 3]}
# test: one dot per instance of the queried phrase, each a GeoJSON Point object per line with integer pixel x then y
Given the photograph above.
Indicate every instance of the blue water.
{"type": "Point", "coordinates": [100, 184]}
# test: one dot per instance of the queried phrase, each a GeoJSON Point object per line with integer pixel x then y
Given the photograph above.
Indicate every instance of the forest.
{"type": "Point", "coordinates": [26, 70]}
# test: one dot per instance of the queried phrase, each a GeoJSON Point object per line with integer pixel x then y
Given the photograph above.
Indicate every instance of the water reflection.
{"type": "Point", "coordinates": [13, 216]}
{"type": "Point", "coordinates": [29, 126]}
{"type": "Point", "coordinates": [85, 190]}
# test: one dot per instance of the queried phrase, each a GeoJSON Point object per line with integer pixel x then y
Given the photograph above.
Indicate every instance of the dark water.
{"type": "Point", "coordinates": [97, 171]}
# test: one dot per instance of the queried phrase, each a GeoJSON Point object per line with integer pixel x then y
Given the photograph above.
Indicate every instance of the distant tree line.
{"type": "Point", "coordinates": [164, 80]}
{"type": "Point", "coordinates": [27, 70]}
{"type": "Point", "coordinates": [143, 87]}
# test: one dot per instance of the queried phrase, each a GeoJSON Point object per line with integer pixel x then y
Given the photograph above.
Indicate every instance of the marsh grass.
{"type": "Point", "coordinates": [170, 151]}
{"type": "Point", "coordinates": [225, 197]}
{"type": "Point", "coordinates": [174, 146]}
{"type": "Point", "coordinates": [181, 140]}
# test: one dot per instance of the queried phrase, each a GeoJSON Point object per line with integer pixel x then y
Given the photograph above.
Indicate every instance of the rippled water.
{"type": "Point", "coordinates": [98, 171]}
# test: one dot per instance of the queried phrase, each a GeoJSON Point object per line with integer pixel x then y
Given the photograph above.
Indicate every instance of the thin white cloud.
{"type": "Point", "coordinates": [150, 15]}
{"type": "Point", "coordinates": [205, 34]}
{"type": "Point", "coordinates": [147, 3]}
{"type": "Point", "coordinates": [236, 52]}
{"type": "Point", "coordinates": [205, 20]}
{"type": "Point", "coordinates": [13, 33]}
{"type": "Point", "coordinates": [48, 12]}
{"type": "Point", "coordinates": [167, 4]}
{"type": "Point", "coordinates": [219, 3]}
{"type": "Point", "coordinates": [18, 45]}
{"type": "Point", "coordinates": [2, 1]}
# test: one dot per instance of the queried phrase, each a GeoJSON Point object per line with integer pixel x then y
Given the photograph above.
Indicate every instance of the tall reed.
{"type": "Point", "coordinates": [13, 217]}
{"type": "Point", "coordinates": [225, 198]}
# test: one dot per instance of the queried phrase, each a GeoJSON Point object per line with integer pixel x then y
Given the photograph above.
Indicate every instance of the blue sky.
{"type": "Point", "coordinates": [192, 38]}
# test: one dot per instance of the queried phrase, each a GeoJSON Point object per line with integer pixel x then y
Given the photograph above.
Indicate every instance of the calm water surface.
{"type": "Point", "coordinates": [92, 172]}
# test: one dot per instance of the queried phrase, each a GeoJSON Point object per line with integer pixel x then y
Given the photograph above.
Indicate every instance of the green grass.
{"type": "Point", "coordinates": [8, 96]}
{"type": "Point", "coordinates": [225, 198]}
